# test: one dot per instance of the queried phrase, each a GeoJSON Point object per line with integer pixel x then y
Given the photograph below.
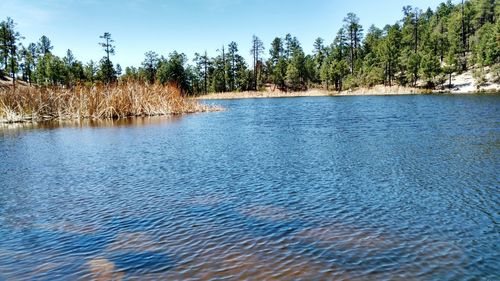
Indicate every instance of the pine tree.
{"type": "Point", "coordinates": [44, 45]}
{"type": "Point", "coordinates": [232, 57]}
{"type": "Point", "coordinates": [107, 70]}
{"type": "Point", "coordinates": [150, 65]}
{"type": "Point", "coordinates": [354, 34]}
{"type": "Point", "coordinates": [256, 51]}
{"type": "Point", "coordinates": [9, 45]}
{"type": "Point", "coordinates": [319, 54]}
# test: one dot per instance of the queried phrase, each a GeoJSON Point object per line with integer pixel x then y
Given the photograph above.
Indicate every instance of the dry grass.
{"type": "Point", "coordinates": [264, 94]}
{"type": "Point", "coordinates": [381, 90]}
{"type": "Point", "coordinates": [99, 102]}
{"type": "Point", "coordinates": [373, 91]}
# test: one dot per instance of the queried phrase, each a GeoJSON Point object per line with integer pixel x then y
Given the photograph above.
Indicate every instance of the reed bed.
{"type": "Point", "coordinates": [25, 104]}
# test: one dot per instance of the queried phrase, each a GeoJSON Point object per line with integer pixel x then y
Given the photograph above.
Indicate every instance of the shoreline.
{"type": "Point", "coordinates": [374, 91]}
{"type": "Point", "coordinates": [15, 118]}
{"type": "Point", "coordinates": [33, 120]}
{"type": "Point", "coordinates": [11, 116]}
{"type": "Point", "coordinates": [263, 95]}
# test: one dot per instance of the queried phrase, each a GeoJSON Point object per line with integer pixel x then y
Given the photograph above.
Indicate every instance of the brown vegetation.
{"type": "Point", "coordinates": [98, 102]}
{"type": "Point", "coordinates": [264, 94]}
{"type": "Point", "coordinates": [381, 90]}
{"type": "Point", "coordinates": [378, 90]}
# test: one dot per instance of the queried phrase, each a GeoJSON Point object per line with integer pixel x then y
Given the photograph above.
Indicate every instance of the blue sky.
{"type": "Point", "coordinates": [188, 26]}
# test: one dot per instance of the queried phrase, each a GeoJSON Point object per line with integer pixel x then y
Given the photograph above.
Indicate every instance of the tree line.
{"type": "Point", "coordinates": [423, 47]}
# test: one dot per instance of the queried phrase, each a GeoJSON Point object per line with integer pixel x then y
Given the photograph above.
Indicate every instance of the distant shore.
{"type": "Point", "coordinates": [463, 84]}
{"type": "Point", "coordinates": [374, 91]}
{"type": "Point", "coordinates": [263, 94]}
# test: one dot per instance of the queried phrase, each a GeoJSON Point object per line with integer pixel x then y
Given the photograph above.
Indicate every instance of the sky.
{"type": "Point", "coordinates": [189, 26]}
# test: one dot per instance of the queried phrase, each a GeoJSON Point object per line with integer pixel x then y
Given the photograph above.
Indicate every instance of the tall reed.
{"type": "Point", "coordinates": [97, 102]}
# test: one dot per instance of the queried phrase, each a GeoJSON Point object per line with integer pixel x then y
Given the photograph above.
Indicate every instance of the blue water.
{"type": "Point", "coordinates": [344, 188]}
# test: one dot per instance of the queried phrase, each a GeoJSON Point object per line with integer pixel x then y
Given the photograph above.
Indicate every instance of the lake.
{"type": "Point", "coordinates": [344, 188]}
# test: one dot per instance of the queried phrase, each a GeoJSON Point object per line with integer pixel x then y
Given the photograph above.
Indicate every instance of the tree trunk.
{"type": "Point", "coordinates": [464, 39]}
{"type": "Point", "coordinates": [224, 68]}
{"type": "Point", "coordinates": [352, 50]}
{"type": "Point", "coordinates": [12, 66]}
{"type": "Point", "coordinates": [416, 33]}
{"type": "Point", "coordinates": [441, 41]}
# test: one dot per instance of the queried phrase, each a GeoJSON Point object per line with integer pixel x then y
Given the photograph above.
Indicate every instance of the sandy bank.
{"type": "Point", "coordinates": [374, 91]}
{"type": "Point", "coordinates": [263, 94]}
{"type": "Point", "coordinates": [381, 90]}
{"type": "Point", "coordinates": [465, 83]}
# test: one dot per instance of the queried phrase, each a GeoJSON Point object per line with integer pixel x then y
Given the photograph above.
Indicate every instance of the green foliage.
{"type": "Point", "coordinates": [424, 47]}
{"type": "Point", "coordinates": [150, 66]}
{"type": "Point", "coordinates": [279, 72]}
{"type": "Point", "coordinates": [479, 76]}
{"type": "Point", "coordinates": [172, 71]}
{"type": "Point", "coordinates": [296, 72]}
{"type": "Point", "coordinates": [354, 34]}
{"type": "Point", "coordinates": [339, 70]}
{"type": "Point", "coordinates": [351, 82]}
{"type": "Point", "coordinates": [389, 51]}
{"type": "Point", "coordinates": [495, 73]}
{"type": "Point", "coordinates": [90, 71]}
{"type": "Point", "coordinates": [27, 59]}
{"type": "Point", "coordinates": [451, 66]}
{"type": "Point", "coordinates": [319, 55]}
{"type": "Point", "coordinates": [430, 68]}
{"type": "Point", "coordinates": [485, 11]}
{"type": "Point", "coordinates": [218, 74]}
{"type": "Point", "coordinates": [107, 72]}
{"type": "Point", "coordinates": [413, 66]}
{"type": "Point", "coordinates": [241, 74]}
{"type": "Point", "coordinates": [74, 70]}
{"type": "Point", "coordinates": [119, 70]}
{"type": "Point", "coordinates": [44, 45]}
{"type": "Point", "coordinates": [52, 70]}
{"type": "Point", "coordinates": [277, 50]}
{"type": "Point", "coordinates": [201, 71]}
{"type": "Point", "coordinates": [9, 46]}
{"type": "Point", "coordinates": [277, 63]}
{"type": "Point", "coordinates": [293, 76]}
{"type": "Point", "coordinates": [232, 66]}
{"type": "Point", "coordinates": [256, 51]}
{"type": "Point", "coordinates": [487, 44]}
{"type": "Point", "coordinates": [324, 74]}
{"type": "Point", "coordinates": [311, 74]}
{"type": "Point", "coordinates": [372, 76]}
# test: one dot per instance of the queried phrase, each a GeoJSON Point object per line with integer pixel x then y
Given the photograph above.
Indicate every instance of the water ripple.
{"type": "Point", "coordinates": [354, 188]}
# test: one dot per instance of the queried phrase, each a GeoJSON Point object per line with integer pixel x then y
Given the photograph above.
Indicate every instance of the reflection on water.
{"type": "Point", "coordinates": [356, 188]}
{"type": "Point", "coordinates": [102, 269]}
{"type": "Point", "coordinates": [16, 128]}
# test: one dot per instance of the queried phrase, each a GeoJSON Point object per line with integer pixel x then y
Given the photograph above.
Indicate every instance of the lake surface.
{"type": "Point", "coordinates": [345, 188]}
